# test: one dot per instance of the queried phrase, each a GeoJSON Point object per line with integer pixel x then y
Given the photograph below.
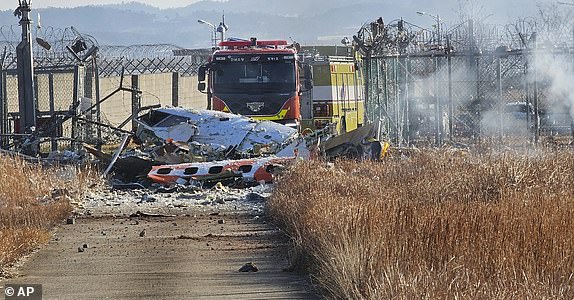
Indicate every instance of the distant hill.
{"type": "Point", "coordinates": [306, 21]}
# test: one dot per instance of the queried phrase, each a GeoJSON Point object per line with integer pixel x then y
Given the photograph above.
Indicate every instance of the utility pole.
{"type": "Point", "coordinates": [25, 65]}
{"type": "Point", "coordinates": [213, 32]}
{"type": "Point", "coordinates": [438, 21]}
{"type": "Point", "coordinates": [222, 28]}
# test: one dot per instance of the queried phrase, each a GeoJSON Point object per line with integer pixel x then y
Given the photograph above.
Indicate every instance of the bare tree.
{"type": "Point", "coordinates": [470, 10]}
{"type": "Point", "coordinates": [554, 23]}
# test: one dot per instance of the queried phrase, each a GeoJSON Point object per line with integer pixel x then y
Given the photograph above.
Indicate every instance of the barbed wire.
{"type": "Point", "coordinates": [50, 42]}
{"type": "Point", "coordinates": [402, 37]}
{"type": "Point", "coordinates": [52, 47]}
{"type": "Point", "coordinates": [139, 51]}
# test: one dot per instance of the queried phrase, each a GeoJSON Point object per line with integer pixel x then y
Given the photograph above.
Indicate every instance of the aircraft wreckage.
{"type": "Point", "coordinates": [187, 146]}
{"type": "Point", "coordinates": [173, 136]}
{"type": "Point", "coordinates": [214, 135]}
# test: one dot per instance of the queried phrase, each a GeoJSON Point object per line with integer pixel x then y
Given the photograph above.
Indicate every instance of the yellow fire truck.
{"type": "Point", "coordinates": [337, 96]}
{"type": "Point", "coordinates": [271, 80]}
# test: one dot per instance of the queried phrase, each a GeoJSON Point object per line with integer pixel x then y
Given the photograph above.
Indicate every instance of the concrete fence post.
{"type": "Point", "coordinates": [175, 89]}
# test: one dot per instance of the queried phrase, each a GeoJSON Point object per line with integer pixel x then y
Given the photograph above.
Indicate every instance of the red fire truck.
{"type": "Point", "coordinates": [259, 79]}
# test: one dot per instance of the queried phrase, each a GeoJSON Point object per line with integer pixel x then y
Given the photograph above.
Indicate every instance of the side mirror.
{"type": "Point", "coordinates": [201, 73]}
{"type": "Point", "coordinates": [201, 86]}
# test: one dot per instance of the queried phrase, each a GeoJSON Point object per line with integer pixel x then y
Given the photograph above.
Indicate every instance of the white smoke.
{"type": "Point", "coordinates": [555, 73]}
{"type": "Point", "coordinates": [552, 65]}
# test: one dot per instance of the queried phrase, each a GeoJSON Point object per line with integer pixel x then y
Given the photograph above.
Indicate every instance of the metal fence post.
{"type": "Point", "coordinates": [385, 67]}
{"type": "Point", "coordinates": [136, 99]}
{"type": "Point", "coordinates": [450, 100]}
{"type": "Point", "coordinates": [396, 100]}
{"type": "Point", "coordinates": [437, 109]}
{"type": "Point", "coordinates": [25, 69]}
{"type": "Point", "coordinates": [526, 85]}
{"type": "Point", "coordinates": [75, 105]}
{"type": "Point", "coordinates": [98, 105]}
{"type": "Point", "coordinates": [499, 96]}
{"type": "Point", "coordinates": [478, 98]}
{"type": "Point", "coordinates": [407, 125]}
{"type": "Point", "coordinates": [367, 79]}
{"type": "Point", "coordinates": [88, 88]}
{"type": "Point", "coordinates": [3, 109]}
{"type": "Point", "coordinates": [536, 104]}
{"type": "Point", "coordinates": [53, 131]}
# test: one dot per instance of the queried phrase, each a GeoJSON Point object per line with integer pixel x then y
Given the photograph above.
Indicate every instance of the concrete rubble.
{"type": "Point", "coordinates": [156, 200]}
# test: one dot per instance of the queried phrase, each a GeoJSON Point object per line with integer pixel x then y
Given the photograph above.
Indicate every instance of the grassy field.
{"type": "Point", "coordinates": [436, 225]}
{"type": "Point", "coordinates": [32, 200]}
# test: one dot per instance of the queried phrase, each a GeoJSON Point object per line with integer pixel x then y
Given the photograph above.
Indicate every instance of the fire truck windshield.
{"type": "Point", "coordinates": [254, 77]}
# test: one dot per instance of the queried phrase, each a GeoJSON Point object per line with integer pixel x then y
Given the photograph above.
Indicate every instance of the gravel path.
{"type": "Point", "coordinates": [169, 245]}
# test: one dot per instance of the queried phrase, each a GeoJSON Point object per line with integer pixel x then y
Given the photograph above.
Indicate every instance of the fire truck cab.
{"type": "Point", "coordinates": [270, 80]}
{"type": "Point", "coordinates": [259, 79]}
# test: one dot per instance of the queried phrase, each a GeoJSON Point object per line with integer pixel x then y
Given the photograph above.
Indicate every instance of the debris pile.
{"type": "Point", "coordinates": [178, 135]}
{"type": "Point", "coordinates": [202, 148]}
{"type": "Point", "coordinates": [161, 201]}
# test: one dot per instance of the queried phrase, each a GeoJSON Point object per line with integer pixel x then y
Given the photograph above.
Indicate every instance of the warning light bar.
{"type": "Point", "coordinates": [253, 43]}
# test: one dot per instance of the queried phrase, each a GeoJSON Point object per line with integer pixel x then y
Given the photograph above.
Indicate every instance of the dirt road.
{"type": "Point", "coordinates": [195, 255]}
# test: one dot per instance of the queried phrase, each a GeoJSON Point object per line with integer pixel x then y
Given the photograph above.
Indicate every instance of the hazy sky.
{"type": "Point", "coordinates": [12, 4]}
{"type": "Point", "coordinates": [523, 6]}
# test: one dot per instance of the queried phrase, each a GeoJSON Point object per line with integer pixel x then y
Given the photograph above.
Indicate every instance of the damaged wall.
{"type": "Point", "coordinates": [156, 89]}
{"type": "Point", "coordinates": [189, 96]}
{"type": "Point", "coordinates": [116, 109]}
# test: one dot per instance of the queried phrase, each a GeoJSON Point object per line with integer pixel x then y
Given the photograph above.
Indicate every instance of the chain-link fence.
{"type": "Point", "coordinates": [502, 95]}
{"type": "Point", "coordinates": [55, 91]}
{"type": "Point", "coordinates": [84, 92]}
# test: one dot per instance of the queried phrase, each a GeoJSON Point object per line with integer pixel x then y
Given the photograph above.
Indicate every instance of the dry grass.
{"type": "Point", "coordinates": [435, 226]}
{"type": "Point", "coordinates": [32, 200]}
